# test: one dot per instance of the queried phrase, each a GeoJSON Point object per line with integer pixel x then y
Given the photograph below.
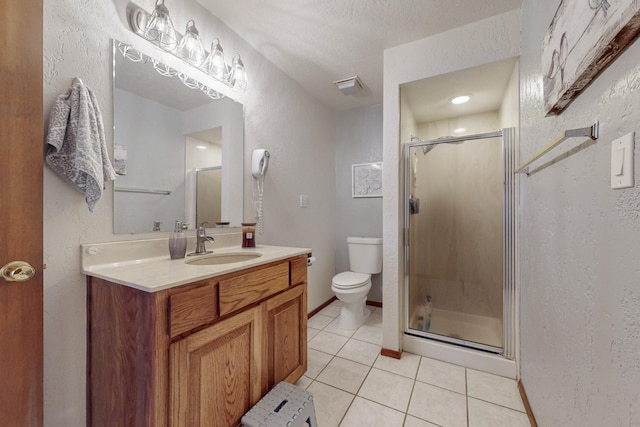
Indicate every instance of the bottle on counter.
{"type": "Point", "coordinates": [248, 234]}
{"type": "Point", "coordinates": [177, 242]}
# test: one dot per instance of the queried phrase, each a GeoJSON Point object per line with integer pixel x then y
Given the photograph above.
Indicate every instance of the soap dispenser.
{"type": "Point", "coordinates": [177, 242]}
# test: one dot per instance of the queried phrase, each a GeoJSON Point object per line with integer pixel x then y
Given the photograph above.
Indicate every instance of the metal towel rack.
{"type": "Point", "coordinates": [142, 190]}
{"type": "Point", "coordinates": [591, 131]}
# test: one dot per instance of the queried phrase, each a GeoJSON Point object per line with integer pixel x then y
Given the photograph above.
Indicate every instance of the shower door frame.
{"type": "Point", "coordinates": [509, 255]}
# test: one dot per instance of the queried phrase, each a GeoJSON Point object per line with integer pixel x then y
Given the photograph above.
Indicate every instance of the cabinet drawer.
{"type": "Point", "coordinates": [192, 308]}
{"type": "Point", "coordinates": [240, 291]}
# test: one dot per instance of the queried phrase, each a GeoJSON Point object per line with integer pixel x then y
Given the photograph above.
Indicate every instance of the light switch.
{"type": "Point", "coordinates": [622, 161]}
{"type": "Point", "coordinates": [304, 201]}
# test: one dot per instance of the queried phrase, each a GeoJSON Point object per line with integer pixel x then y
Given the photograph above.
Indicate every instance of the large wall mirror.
{"type": "Point", "coordinates": [178, 148]}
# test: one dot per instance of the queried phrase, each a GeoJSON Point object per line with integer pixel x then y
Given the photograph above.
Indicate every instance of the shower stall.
{"type": "Point", "coordinates": [460, 241]}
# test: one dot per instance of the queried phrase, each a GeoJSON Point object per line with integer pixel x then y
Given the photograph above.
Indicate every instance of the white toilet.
{"type": "Point", "coordinates": [352, 287]}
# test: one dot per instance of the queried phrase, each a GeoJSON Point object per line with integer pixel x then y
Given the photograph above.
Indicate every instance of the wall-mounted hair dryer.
{"type": "Point", "coordinates": [259, 163]}
{"type": "Point", "coordinates": [259, 167]}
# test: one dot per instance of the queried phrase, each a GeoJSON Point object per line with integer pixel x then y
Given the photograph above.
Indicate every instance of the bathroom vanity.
{"type": "Point", "coordinates": [200, 350]}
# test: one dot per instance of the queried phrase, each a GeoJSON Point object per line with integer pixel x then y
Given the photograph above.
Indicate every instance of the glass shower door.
{"type": "Point", "coordinates": [454, 248]}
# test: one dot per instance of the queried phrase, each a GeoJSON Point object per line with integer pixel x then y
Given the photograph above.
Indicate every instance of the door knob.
{"type": "Point", "coordinates": [17, 271]}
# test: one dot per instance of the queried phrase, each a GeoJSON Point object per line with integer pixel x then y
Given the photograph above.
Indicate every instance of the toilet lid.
{"type": "Point", "coordinates": [349, 279]}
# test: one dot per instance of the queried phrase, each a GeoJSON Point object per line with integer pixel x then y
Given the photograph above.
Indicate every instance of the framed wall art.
{"type": "Point", "coordinates": [584, 37]}
{"type": "Point", "coordinates": [366, 180]}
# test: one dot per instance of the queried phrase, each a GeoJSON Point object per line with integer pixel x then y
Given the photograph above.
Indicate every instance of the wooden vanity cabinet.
{"type": "Point", "coordinates": [200, 354]}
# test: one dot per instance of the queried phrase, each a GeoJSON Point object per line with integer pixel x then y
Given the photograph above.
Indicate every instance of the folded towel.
{"type": "Point", "coordinates": [77, 150]}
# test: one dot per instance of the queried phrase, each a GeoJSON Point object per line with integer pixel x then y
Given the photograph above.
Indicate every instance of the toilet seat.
{"type": "Point", "coordinates": [350, 280]}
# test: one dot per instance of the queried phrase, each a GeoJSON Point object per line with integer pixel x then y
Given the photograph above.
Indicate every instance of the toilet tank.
{"type": "Point", "coordinates": [365, 254]}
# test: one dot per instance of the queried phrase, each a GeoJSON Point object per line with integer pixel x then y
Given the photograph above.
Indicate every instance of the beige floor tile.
{"type": "Point", "coordinates": [442, 374]}
{"type": "Point", "coordinates": [334, 328]}
{"type": "Point", "coordinates": [330, 403]}
{"type": "Point", "coordinates": [319, 321]}
{"type": "Point", "coordinates": [304, 381]}
{"type": "Point", "coordinates": [344, 374]}
{"type": "Point", "coordinates": [438, 406]}
{"type": "Point", "coordinates": [412, 421]}
{"type": "Point", "coordinates": [387, 389]}
{"type": "Point", "coordinates": [316, 362]}
{"type": "Point", "coordinates": [407, 365]}
{"type": "Point", "coordinates": [331, 311]}
{"type": "Point", "coordinates": [311, 333]}
{"type": "Point", "coordinates": [374, 319]}
{"type": "Point", "coordinates": [369, 334]}
{"type": "Point", "coordinates": [485, 414]}
{"type": "Point", "coordinates": [360, 351]}
{"type": "Point", "coordinates": [364, 413]}
{"type": "Point", "coordinates": [495, 389]}
{"type": "Point", "coordinates": [327, 342]}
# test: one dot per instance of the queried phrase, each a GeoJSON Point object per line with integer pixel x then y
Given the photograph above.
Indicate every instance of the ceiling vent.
{"type": "Point", "coordinates": [349, 86]}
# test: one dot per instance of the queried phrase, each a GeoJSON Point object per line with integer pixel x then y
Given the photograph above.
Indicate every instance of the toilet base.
{"type": "Point", "coordinates": [354, 314]}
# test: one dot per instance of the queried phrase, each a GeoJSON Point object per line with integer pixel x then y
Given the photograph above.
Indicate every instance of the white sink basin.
{"type": "Point", "coordinates": [226, 258]}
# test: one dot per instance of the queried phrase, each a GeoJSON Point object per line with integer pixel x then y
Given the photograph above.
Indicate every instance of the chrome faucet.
{"type": "Point", "coordinates": [201, 239]}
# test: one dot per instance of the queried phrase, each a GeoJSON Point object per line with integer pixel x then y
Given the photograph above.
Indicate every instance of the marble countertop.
{"type": "Point", "coordinates": [120, 262]}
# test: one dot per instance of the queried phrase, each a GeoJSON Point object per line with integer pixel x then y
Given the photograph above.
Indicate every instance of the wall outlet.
{"type": "Point", "coordinates": [622, 163]}
{"type": "Point", "coordinates": [304, 201]}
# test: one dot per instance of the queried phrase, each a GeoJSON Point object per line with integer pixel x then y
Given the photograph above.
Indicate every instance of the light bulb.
{"type": "Point", "coordinates": [159, 28]}
{"type": "Point", "coordinates": [238, 76]}
{"type": "Point", "coordinates": [190, 49]}
{"type": "Point", "coordinates": [215, 65]}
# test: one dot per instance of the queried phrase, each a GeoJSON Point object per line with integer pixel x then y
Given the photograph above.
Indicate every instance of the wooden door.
{"type": "Point", "coordinates": [287, 336]}
{"type": "Point", "coordinates": [21, 153]}
{"type": "Point", "coordinates": [216, 374]}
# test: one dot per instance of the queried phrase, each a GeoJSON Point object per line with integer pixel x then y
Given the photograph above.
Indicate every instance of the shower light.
{"type": "Point", "coordinates": [460, 99]}
{"type": "Point", "coordinates": [459, 130]}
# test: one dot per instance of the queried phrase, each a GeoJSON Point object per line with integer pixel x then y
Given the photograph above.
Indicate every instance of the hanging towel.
{"type": "Point", "coordinates": [77, 150]}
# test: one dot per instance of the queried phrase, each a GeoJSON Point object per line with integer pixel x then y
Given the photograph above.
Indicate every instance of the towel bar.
{"type": "Point", "coordinates": [591, 131]}
{"type": "Point", "coordinates": [142, 190]}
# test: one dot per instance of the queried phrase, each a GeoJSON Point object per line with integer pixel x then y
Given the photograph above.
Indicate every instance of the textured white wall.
{"type": "Point", "coordinates": [473, 123]}
{"type": "Point", "coordinates": [358, 140]}
{"type": "Point", "coordinates": [280, 116]}
{"type": "Point", "coordinates": [485, 41]}
{"type": "Point", "coordinates": [580, 240]}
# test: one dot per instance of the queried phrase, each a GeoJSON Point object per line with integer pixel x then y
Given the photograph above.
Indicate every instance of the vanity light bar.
{"type": "Point", "coordinates": [158, 29]}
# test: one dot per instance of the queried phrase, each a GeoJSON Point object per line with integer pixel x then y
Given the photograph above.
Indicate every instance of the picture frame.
{"type": "Point", "coordinates": [366, 180]}
{"type": "Point", "coordinates": [584, 37]}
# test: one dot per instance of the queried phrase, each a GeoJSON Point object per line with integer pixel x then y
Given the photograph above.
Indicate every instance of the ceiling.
{"type": "Point", "coordinates": [319, 42]}
{"type": "Point", "coordinates": [430, 99]}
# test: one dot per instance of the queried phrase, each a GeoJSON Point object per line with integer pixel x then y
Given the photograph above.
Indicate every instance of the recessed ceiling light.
{"type": "Point", "coordinates": [201, 147]}
{"type": "Point", "coordinates": [460, 99]}
{"type": "Point", "coordinates": [459, 130]}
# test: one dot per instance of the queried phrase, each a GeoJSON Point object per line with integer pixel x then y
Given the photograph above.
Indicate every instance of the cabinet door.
{"type": "Point", "coordinates": [287, 335]}
{"type": "Point", "coordinates": [216, 373]}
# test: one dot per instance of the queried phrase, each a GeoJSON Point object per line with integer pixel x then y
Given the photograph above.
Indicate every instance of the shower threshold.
{"type": "Point", "coordinates": [480, 332]}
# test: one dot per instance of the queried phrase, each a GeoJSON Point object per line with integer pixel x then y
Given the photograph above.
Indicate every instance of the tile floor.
{"type": "Point", "coordinates": [353, 385]}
